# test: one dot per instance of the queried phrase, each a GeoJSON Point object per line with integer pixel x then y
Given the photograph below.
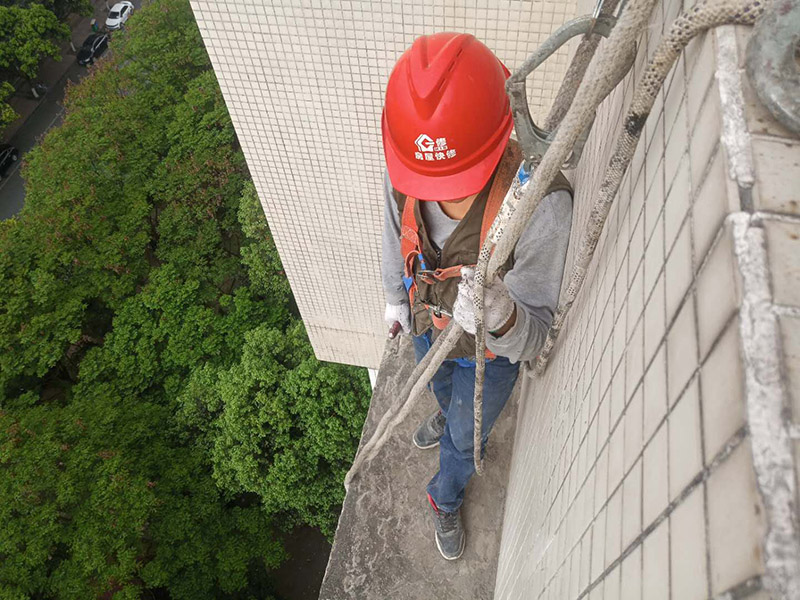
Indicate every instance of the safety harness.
{"type": "Point", "coordinates": [414, 264]}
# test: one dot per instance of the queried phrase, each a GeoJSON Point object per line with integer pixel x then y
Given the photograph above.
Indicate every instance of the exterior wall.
{"type": "Point", "coordinates": [303, 82]}
{"type": "Point", "coordinates": [643, 464]}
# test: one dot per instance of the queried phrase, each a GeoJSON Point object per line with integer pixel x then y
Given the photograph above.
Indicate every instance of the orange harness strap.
{"type": "Point", "coordinates": [411, 247]}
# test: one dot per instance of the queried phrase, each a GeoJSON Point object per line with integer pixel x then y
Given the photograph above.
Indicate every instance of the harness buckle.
{"type": "Point", "coordinates": [427, 275]}
{"type": "Point", "coordinates": [440, 312]}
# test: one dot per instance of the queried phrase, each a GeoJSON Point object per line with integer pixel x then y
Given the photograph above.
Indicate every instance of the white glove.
{"type": "Point", "coordinates": [497, 304]}
{"type": "Point", "coordinates": [400, 313]}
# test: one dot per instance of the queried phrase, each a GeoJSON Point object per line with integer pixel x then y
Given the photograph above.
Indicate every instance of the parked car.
{"type": "Point", "coordinates": [93, 47]}
{"type": "Point", "coordinates": [119, 13]}
{"type": "Point", "coordinates": [8, 156]}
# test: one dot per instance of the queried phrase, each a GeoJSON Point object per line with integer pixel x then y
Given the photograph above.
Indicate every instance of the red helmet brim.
{"type": "Point", "coordinates": [442, 187]}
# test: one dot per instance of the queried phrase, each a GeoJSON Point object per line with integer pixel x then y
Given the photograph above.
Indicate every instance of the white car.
{"type": "Point", "coordinates": [119, 14]}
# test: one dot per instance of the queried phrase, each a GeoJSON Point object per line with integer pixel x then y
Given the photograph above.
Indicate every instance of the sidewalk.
{"type": "Point", "coordinates": [51, 71]}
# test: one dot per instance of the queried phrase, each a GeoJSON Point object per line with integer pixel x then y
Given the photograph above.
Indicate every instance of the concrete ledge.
{"type": "Point", "coordinates": [384, 546]}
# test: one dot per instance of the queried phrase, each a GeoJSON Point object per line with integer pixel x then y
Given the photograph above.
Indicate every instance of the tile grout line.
{"type": "Point", "coordinates": [733, 443]}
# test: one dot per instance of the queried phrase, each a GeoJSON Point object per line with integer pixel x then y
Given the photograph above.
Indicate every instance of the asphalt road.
{"type": "Point", "coordinates": [46, 115]}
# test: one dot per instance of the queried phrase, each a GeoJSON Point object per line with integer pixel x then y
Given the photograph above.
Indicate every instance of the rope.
{"type": "Point", "coordinates": [413, 389]}
{"type": "Point", "coordinates": [576, 71]}
{"type": "Point", "coordinates": [630, 22]}
{"type": "Point", "coordinates": [686, 26]}
{"type": "Point", "coordinates": [522, 200]}
{"type": "Point", "coordinates": [604, 71]}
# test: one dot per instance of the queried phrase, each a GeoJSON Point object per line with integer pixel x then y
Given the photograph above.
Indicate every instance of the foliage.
{"type": "Point", "coordinates": [61, 8]}
{"type": "Point", "coordinates": [27, 35]}
{"type": "Point", "coordinates": [7, 114]}
{"type": "Point", "coordinates": [163, 415]}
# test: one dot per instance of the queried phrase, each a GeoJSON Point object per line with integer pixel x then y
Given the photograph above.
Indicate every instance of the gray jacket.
{"type": "Point", "coordinates": [533, 283]}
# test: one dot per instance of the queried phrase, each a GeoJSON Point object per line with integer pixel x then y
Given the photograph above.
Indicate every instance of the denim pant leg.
{"type": "Point", "coordinates": [455, 447]}
{"type": "Point", "coordinates": [442, 381]}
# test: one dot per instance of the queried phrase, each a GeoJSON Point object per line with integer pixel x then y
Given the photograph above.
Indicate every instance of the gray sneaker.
{"type": "Point", "coordinates": [450, 538]}
{"type": "Point", "coordinates": [428, 433]}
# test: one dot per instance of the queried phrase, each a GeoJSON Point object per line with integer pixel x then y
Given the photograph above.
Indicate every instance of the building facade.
{"type": "Point", "coordinates": [656, 457]}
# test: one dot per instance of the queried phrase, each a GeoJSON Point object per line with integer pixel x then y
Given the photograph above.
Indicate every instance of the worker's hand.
{"type": "Point", "coordinates": [498, 305]}
{"type": "Point", "coordinates": [400, 313]}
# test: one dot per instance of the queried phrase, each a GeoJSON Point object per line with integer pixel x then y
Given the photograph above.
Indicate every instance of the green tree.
{"type": "Point", "coordinates": [281, 424]}
{"type": "Point", "coordinates": [163, 415]}
{"type": "Point", "coordinates": [61, 8]}
{"type": "Point", "coordinates": [7, 114]}
{"type": "Point", "coordinates": [27, 35]}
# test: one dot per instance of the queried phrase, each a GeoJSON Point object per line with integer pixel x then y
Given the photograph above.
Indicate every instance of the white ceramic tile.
{"type": "Point", "coordinates": [717, 292]}
{"type": "Point", "coordinates": [685, 446]}
{"type": "Point", "coordinates": [700, 70]}
{"type": "Point", "coordinates": [678, 270]}
{"type": "Point", "coordinates": [705, 136]}
{"type": "Point", "coordinates": [790, 337]}
{"type": "Point", "coordinates": [734, 522]}
{"type": "Point", "coordinates": [655, 393]}
{"type": "Point", "coordinates": [634, 367]}
{"type": "Point", "coordinates": [655, 563]}
{"type": "Point", "coordinates": [598, 545]}
{"type": "Point", "coordinates": [722, 389]}
{"type": "Point", "coordinates": [654, 467]}
{"type": "Point", "coordinates": [710, 206]}
{"type": "Point", "coordinates": [783, 245]}
{"type": "Point", "coordinates": [654, 319]}
{"type": "Point", "coordinates": [613, 527]}
{"type": "Point", "coordinates": [634, 415]}
{"type": "Point", "coordinates": [654, 256]}
{"type": "Point", "coordinates": [631, 579]}
{"type": "Point", "coordinates": [675, 151]}
{"type": "Point", "coordinates": [688, 549]}
{"type": "Point", "coordinates": [681, 351]}
{"type": "Point", "coordinates": [678, 202]}
{"type": "Point", "coordinates": [777, 166]}
{"type": "Point", "coordinates": [616, 458]}
{"type": "Point", "coordinates": [632, 505]}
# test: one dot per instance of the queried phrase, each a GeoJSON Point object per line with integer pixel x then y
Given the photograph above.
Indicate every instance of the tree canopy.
{"type": "Point", "coordinates": [162, 414]}
{"type": "Point", "coordinates": [27, 35]}
{"type": "Point", "coordinates": [31, 30]}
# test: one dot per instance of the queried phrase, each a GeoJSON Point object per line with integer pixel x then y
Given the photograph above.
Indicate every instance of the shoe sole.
{"type": "Point", "coordinates": [460, 551]}
{"type": "Point", "coordinates": [414, 439]}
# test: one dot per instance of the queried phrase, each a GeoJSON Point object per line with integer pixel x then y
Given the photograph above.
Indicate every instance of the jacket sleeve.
{"type": "Point", "coordinates": [391, 258]}
{"type": "Point", "coordinates": [534, 282]}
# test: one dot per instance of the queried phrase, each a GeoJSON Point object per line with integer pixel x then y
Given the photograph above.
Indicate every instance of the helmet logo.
{"type": "Point", "coordinates": [424, 143]}
{"type": "Point", "coordinates": [430, 150]}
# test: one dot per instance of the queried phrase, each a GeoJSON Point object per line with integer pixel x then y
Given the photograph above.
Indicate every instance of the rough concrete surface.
{"type": "Point", "coordinates": [384, 546]}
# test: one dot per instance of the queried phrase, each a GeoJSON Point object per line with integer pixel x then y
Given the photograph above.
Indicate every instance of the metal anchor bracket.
{"type": "Point", "coordinates": [534, 140]}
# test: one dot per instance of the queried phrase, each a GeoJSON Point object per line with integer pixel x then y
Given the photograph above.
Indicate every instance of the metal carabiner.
{"type": "Point", "coordinates": [534, 140]}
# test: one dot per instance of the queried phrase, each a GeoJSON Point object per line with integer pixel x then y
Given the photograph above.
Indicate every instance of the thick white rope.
{"type": "Point", "coordinates": [605, 70]}
{"type": "Point", "coordinates": [520, 203]}
{"type": "Point", "coordinates": [576, 72]}
{"type": "Point", "coordinates": [516, 221]}
{"type": "Point", "coordinates": [412, 390]}
{"type": "Point", "coordinates": [700, 18]}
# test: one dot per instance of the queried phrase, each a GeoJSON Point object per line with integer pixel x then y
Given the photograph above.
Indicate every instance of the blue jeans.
{"type": "Point", "coordinates": [454, 387]}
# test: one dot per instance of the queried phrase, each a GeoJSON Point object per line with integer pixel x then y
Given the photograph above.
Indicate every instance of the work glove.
{"type": "Point", "coordinates": [497, 304]}
{"type": "Point", "coordinates": [400, 313]}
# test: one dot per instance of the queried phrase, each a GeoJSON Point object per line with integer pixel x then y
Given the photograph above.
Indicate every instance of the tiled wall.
{"type": "Point", "coordinates": [304, 83]}
{"type": "Point", "coordinates": [633, 473]}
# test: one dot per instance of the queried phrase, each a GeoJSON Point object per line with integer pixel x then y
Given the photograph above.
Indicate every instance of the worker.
{"type": "Point", "coordinates": [446, 130]}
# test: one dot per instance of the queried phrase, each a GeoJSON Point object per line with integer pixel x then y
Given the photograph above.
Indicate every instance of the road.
{"type": "Point", "coordinates": [46, 115]}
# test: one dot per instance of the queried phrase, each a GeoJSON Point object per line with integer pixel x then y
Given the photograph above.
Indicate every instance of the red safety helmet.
{"type": "Point", "coordinates": [447, 119]}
